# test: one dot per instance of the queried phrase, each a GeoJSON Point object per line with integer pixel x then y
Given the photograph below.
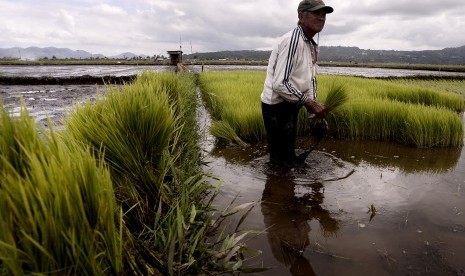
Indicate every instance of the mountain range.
{"type": "Point", "coordinates": [454, 56]}
{"type": "Point", "coordinates": [34, 53]}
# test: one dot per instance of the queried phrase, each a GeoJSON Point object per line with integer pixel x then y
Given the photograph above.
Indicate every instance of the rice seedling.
{"type": "Point", "coordinates": [433, 127]}
{"type": "Point", "coordinates": [58, 214]}
{"type": "Point", "coordinates": [232, 97]}
{"type": "Point", "coordinates": [336, 97]}
{"type": "Point", "coordinates": [222, 129]}
{"type": "Point", "coordinates": [441, 84]}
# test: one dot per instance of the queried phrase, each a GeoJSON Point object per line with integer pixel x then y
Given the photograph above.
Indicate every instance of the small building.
{"type": "Point", "coordinates": [175, 57]}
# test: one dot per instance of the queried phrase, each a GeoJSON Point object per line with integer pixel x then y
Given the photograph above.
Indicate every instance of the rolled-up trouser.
{"type": "Point", "coordinates": [281, 128]}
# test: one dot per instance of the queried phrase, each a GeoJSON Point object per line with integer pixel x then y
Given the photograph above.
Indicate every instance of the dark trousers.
{"type": "Point", "coordinates": [281, 129]}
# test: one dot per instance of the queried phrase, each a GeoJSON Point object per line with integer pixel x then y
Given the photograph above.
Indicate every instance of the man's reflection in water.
{"type": "Point", "coordinates": [287, 218]}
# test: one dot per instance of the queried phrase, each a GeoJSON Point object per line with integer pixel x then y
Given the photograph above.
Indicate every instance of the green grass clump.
{"type": "Point", "coordinates": [374, 109]}
{"type": "Point", "coordinates": [58, 213]}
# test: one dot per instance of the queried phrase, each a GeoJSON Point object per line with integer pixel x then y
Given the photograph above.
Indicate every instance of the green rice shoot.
{"type": "Point", "coordinates": [223, 130]}
{"type": "Point", "coordinates": [336, 97]}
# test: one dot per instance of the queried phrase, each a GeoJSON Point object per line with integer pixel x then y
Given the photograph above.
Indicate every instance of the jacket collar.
{"type": "Point", "coordinates": [304, 37]}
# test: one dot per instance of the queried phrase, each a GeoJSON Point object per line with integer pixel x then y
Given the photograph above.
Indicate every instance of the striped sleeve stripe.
{"type": "Point", "coordinates": [290, 57]}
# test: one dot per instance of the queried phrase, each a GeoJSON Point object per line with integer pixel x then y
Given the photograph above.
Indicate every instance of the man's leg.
{"type": "Point", "coordinates": [281, 125]}
{"type": "Point", "coordinates": [273, 137]}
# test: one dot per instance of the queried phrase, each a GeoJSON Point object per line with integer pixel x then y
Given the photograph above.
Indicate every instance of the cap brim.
{"type": "Point", "coordinates": [328, 9]}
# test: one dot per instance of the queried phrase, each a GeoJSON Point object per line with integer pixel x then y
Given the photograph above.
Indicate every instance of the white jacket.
{"type": "Point", "coordinates": [291, 70]}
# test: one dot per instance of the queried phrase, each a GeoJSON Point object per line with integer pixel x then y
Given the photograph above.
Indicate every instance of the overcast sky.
{"type": "Point", "coordinates": [156, 26]}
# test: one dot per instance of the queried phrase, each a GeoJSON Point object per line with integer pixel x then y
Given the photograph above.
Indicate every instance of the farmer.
{"type": "Point", "coordinates": [290, 82]}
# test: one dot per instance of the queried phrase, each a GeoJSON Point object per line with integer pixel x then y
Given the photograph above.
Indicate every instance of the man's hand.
{"type": "Point", "coordinates": [315, 109]}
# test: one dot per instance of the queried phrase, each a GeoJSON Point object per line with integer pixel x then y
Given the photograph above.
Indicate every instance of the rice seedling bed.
{"type": "Point", "coordinates": [376, 109]}
{"type": "Point", "coordinates": [118, 191]}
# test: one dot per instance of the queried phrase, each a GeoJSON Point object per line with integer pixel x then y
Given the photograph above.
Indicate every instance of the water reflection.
{"type": "Point", "coordinates": [287, 218]}
{"type": "Point", "coordinates": [406, 159]}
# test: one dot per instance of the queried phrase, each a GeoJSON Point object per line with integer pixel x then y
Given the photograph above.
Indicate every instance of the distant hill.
{"type": "Point", "coordinates": [128, 55]}
{"type": "Point", "coordinates": [452, 56]}
{"type": "Point", "coordinates": [354, 54]}
{"type": "Point", "coordinates": [34, 53]}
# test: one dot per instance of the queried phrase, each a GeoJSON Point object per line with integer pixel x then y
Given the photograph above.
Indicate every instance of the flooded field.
{"type": "Point", "coordinates": [127, 70]}
{"type": "Point", "coordinates": [355, 207]}
{"type": "Point", "coordinates": [76, 70]}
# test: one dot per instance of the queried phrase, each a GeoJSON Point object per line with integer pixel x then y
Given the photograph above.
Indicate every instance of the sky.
{"type": "Point", "coordinates": [153, 27]}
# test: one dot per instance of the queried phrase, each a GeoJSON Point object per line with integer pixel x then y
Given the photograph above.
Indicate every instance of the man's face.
{"type": "Point", "coordinates": [312, 22]}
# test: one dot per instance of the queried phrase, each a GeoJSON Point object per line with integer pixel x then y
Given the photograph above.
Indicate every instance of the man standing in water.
{"type": "Point", "coordinates": [290, 82]}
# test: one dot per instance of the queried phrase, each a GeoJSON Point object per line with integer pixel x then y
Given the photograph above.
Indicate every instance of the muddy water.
{"type": "Point", "coordinates": [317, 217]}
{"type": "Point", "coordinates": [47, 101]}
{"type": "Point", "coordinates": [354, 208]}
{"type": "Point", "coordinates": [58, 71]}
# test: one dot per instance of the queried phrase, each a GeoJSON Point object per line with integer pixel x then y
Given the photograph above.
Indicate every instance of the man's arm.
{"type": "Point", "coordinates": [284, 62]}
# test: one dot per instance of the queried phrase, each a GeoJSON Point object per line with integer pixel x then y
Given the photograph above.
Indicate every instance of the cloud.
{"type": "Point", "coordinates": [396, 24]}
{"type": "Point", "coordinates": [407, 9]}
{"type": "Point", "coordinates": [65, 20]}
{"type": "Point", "coordinates": [106, 9]}
{"type": "Point", "coordinates": [148, 26]}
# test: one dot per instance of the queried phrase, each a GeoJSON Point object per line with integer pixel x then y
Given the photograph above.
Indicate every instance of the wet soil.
{"type": "Point", "coordinates": [77, 80]}
{"type": "Point", "coordinates": [48, 101]}
{"type": "Point", "coordinates": [354, 208]}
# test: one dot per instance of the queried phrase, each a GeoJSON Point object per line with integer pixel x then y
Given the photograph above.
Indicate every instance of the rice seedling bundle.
{"type": "Point", "coordinates": [133, 126]}
{"type": "Point", "coordinates": [148, 134]}
{"type": "Point", "coordinates": [223, 130]}
{"type": "Point", "coordinates": [58, 214]}
{"type": "Point", "coordinates": [335, 97]}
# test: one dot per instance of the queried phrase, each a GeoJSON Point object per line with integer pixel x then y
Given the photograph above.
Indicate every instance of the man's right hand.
{"type": "Point", "coordinates": [316, 109]}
